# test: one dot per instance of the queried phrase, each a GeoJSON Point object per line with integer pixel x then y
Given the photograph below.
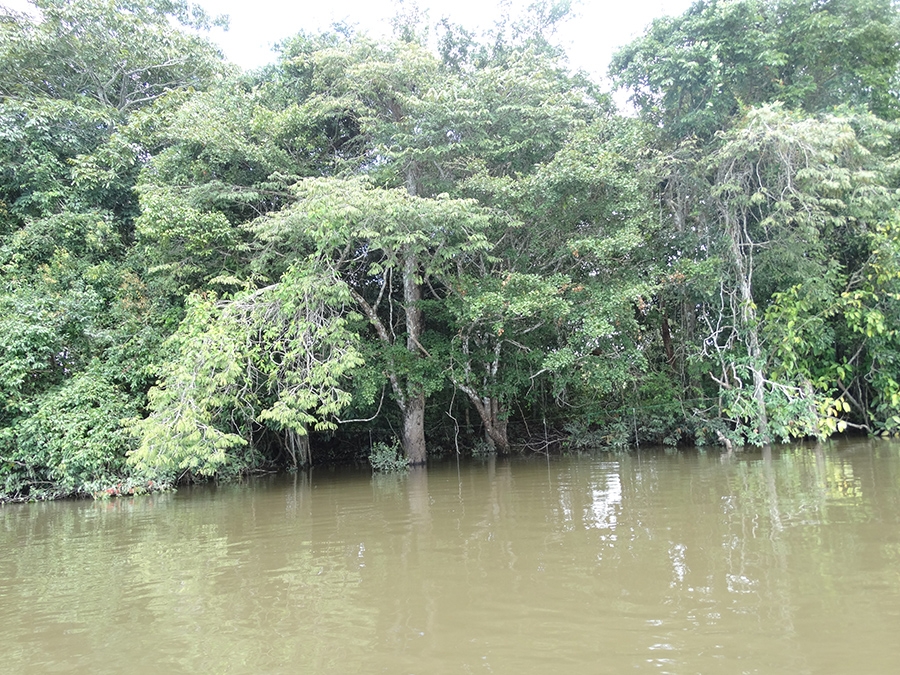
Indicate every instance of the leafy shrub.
{"type": "Point", "coordinates": [386, 458]}
{"type": "Point", "coordinates": [73, 438]}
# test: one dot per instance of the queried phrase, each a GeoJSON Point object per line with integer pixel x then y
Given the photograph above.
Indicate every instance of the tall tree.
{"type": "Point", "coordinates": [559, 292]}
{"type": "Point", "coordinates": [387, 246]}
{"type": "Point", "coordinates": [775, 171]}
{"type": "Point", "coordinates": [693, 73]}
{"type": "Point", "coordinates": [785, 187]}
{"type": "Point", "coordinates": [67, 52]}
{"type": "Point", "coordinates": [75, 311]}
{"type": "Point", "coordinates": [399, 133]}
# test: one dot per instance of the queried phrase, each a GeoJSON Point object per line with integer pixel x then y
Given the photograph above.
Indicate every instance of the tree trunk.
{"type": "Point", "coordinates": [414, 429]}
{"type": "Point", "coordinates": [492, 416]}
{"type": "Point", "coordinates": [495, 426]}
{"type": "Point", "coordinates": [759, 383]}
{"type": "Point", "coordinates": [414, 410]}
{"type": "Point", "coordinates": [410, 396]}
{"type": "Point", "coordinates": [666, 336]}
{"type": "Point", "coordinates": [743, 262]}
{"type": "Point", "coordinates": [490, 409]}
{"type": "Point", "coordinates": [303, 449]}
{"type": "Point", "coordinates": [298, 448]}
{"type": "Point", "coordinates": [497, 436]}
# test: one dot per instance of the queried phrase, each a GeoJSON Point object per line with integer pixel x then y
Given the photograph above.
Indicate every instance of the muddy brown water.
{"type": "Point", "coordinates": [652, 563]}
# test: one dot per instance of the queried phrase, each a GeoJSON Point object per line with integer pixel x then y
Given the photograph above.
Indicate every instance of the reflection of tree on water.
{"type": "Point", "coordinates": [756, 552]}
{"type": "Point", "coordinates": [419, 499]}
{"type": "Point", "coordinates": [784, 523]}
{"type": "Point", "coordinates": [606, 499]}
{"type": "Point", "coordinates": [777, 581]}
{"type": "Point", "coordinates": [406, 588]}
{"type": "Point", "coordinates": [684, 563]}
{"type": "Point", "coordinates": [297, 498]}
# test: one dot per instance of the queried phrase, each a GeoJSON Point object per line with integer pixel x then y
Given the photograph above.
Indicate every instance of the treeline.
{"type": "Point", "coordinates": [447, 239]}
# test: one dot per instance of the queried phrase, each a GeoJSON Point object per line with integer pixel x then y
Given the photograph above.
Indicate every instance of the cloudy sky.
{"type": "Point", "coordinates": [599, 27]}
{"type": "Point", "coordinates": [590, 37]}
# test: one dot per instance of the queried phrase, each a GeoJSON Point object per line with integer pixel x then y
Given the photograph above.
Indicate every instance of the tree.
{"type": "Point", "coordinates": [559, 290]}
{"type": "Point", "coordinates": [274, 357]}
{"type": "Point", "coordinates": [789, 195]}
{"type": "Point", "coordinates": [381, 120]}
{"type": "Point", "coordinates": [67, 53]}
{"type": "Point", "coordinates": [769, 191]}
{"type": "Point", "coordinates": [692, 74]}
{"type": "Point", "coordinates": [387, 246]}
{"type": "Point", "coordinates": [481, 129]}
{"type": "Point", "coordinates": [70, 79]}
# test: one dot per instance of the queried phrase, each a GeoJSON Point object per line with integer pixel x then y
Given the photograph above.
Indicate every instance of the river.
{"type": "Point", "coordinates": [652, 562]}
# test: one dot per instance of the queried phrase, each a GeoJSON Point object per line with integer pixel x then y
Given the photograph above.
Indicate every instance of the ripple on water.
{"type": "Point", "coordinates": [650, 562]}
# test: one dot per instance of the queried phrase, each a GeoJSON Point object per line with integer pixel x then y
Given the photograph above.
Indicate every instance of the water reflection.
{"type": "Point", "coordinates": [762, 562]}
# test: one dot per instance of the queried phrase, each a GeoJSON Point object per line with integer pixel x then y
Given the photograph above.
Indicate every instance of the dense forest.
{"type": "Point", "coordinates": [439, 242]}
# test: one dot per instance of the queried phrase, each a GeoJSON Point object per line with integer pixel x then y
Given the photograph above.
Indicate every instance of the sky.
{"type": "Point", "coordinates": [598, 28]}
{"type": "Point", "coordinates": [590, 37]}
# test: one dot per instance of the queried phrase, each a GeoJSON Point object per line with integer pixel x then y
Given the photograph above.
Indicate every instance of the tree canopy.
{"type": "Point", "coordinates": [463, 246]}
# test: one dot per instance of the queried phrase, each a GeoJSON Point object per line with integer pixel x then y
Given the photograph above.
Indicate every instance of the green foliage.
{"type": "Point", "coordinates": [798, 184]}
{"type": "Point", "coordinates": [388, 457]}
{"type": "Point", "coordinates": [38, 140]}
{"type": "Point", "coordinates": [67, 53]}
{"type": "Point", "coordinates": [369, 220]}
{"type": "Point", "coordinates": [183, 244]}
{"type": "Point", "coordinates": [872, 312]}
{"type": "Point", "coordinates": [79, 330]}
{"type": "Point", "coordinates": [276, 356]}
{"type": "Point", "coordinates": [769, 202]}
{"type": "Point", "coordinates": [692, 74]}
{"type": "Point", "coordinates": [72, 439]}
{"type": "Point", "coordinates": [330, 213]}
{"type": "Point", "coordinates": [182, 434]}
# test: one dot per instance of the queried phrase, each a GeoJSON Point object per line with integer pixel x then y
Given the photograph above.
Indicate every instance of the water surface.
{"type": "Point", "coordinates": [652, 562]}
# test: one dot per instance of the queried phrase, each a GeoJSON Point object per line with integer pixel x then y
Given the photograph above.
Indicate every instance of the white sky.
{"type": "Point", "coordinates": [590, 38]}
